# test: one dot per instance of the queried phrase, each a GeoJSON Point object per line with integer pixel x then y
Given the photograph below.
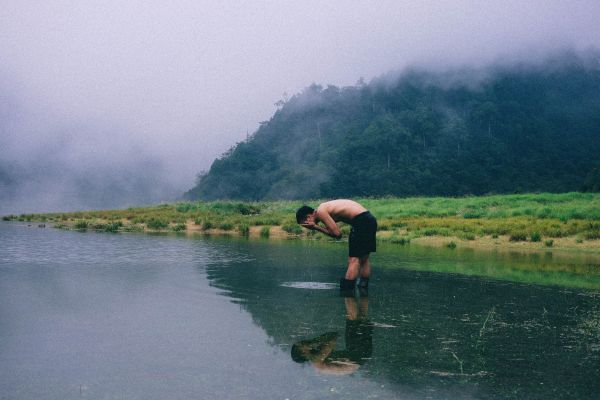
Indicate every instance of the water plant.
{"type": "Point", "coordinates": [157, 223]}
{"type": "Point", "coordinates": [244, 229]}
{"type": "Point", "coordinates": [81, 225]}
{"type": "Point", "coordinates": [178, 227]}
{"type": "Point", "coordinates": [112, 226]}
{"type": "Point", "coordinates": [265, 231]}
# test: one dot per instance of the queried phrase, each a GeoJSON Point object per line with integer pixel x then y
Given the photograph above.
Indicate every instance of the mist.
{"type": "Point", "coordinates": [115, 104]}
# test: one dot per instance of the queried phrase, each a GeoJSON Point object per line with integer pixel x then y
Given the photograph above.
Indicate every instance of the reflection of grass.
{"type": "Point", "coordinates": [570, 270]}
{"type": "Point", "coordinates": [590, 326]}
{"type": "Point", "coordinates": [482, 330]}
{"type": "Point", "coordinates": [460, 362]}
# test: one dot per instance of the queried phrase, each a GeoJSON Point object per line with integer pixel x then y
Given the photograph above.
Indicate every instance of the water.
{"type": "Point", "coordinates": [109, 316]}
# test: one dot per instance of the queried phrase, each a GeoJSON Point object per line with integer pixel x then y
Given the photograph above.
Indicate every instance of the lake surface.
{"type": "Point", "coordinates": [128, 316]}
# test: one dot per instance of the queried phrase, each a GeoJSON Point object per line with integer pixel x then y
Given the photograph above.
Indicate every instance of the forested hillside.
{"type": "Point", "coordinates": [501, 129]}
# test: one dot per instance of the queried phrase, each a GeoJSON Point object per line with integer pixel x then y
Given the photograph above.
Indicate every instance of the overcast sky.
{"type": "Point", "coordinates": [185, 80]}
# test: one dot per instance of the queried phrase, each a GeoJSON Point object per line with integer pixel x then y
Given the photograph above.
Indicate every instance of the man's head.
{"type": "Point", "coordinates": [299, 353]}
{"type": "Point", "coordinates": [314, 349]}
{"type": "Point", "coordinates": [302, 213]}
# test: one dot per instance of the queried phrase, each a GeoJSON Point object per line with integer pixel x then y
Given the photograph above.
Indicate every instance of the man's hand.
{"type": "Point", "coordinates": [309, 222]}
{"type": "Point", "coordinates": [311, 226]}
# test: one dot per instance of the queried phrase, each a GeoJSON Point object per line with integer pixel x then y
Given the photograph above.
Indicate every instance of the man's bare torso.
{"type": "Point", "coordinates": [341, 209]}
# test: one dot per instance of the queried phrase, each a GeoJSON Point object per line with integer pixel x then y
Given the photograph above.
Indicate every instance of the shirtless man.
{"type": "Point", "coordinates": [361, 241]}
{"type": "Point", "coordinates": [321, 352]}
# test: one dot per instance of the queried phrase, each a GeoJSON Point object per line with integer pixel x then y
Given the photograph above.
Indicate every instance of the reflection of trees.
{"type": "Point", "coordinates": [431, 331]}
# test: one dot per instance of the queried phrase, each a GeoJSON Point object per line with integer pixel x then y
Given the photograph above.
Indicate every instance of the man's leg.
{"type": "Point", "coordinates": [348, 282]}
{"type": "Point", "coordinates": [351, 308]}
{"type": "Point", "coordinates": [354, 264]}
{"type": "Point", "coordinates": [365, 267]}
{"type": "Point", "coordinates": [365, 273]}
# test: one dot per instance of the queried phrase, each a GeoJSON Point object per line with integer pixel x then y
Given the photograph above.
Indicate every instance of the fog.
{"type": "Point", "coordinates": [113, 104]}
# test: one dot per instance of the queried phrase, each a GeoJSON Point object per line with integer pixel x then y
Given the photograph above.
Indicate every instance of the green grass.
{"type": "Point", "coordinates": [518, 237]}
{"type": "Point", "coordinates": [563, 206]}
{"type": "Point", "coordinates": [536, 237]}
{"type": "Point", "coordinates": [104, 227]}
{"type": "Point", "coordinates": [226, 226]}
{"type": "Point", "coordinates": [292, 227]}
{"type": "Point", "coordinates": [519, 216]}
{"type": "Point", "coordinates": [179, 227]}
{"type": "Point", "coordinates": [157, 223]}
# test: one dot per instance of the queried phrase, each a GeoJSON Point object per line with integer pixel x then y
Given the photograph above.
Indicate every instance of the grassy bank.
{"type": "Point", "coordinates": [527, 221]}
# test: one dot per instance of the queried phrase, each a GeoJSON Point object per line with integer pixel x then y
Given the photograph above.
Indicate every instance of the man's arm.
{"type": "Point", "coordinates": [316, 227]}
{"type": "Point", "coordinates": [331, 227]}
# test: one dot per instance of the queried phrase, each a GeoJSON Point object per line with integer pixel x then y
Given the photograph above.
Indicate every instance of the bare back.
{"type": "Point", "coordinates": [341, 210]}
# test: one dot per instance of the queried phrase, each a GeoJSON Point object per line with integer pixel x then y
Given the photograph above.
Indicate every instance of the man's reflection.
{"type": "Point", "coordinates": [321, 353]}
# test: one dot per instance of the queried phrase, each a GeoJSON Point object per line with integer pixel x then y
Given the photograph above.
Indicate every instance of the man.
{"type": "Point", "coordinates": [361, 241]}
{"type": "Point", "coordinates": [321, 353]}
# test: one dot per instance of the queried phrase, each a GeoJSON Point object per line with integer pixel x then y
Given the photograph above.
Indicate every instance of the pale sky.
{"type": "Point", "coordinates": [185, 80]}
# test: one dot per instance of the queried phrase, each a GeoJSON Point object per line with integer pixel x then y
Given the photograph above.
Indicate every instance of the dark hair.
{"type": "Point", "coordinates": [297, 355]}
{"type": "Point", "coordinates": [304, 350]}
{"type": "Point", "coordinates": [303, 212]}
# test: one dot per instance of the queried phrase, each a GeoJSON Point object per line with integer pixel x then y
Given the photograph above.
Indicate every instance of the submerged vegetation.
{"type": "Point", "coordinates": [544, 220]}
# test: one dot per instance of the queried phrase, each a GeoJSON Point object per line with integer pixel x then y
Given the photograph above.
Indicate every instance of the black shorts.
{"type": "Point", "coordinates": [362, 235]}
{"type": "Point", "coordinates": [359, 342]}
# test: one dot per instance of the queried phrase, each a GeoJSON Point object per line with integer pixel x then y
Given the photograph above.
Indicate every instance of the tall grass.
{"type": "Point", "coordinates": [535, 216]}
{"type": "Point", "coordinates": [564, 206]}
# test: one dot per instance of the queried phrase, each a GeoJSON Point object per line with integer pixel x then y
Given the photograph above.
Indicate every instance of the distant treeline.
{"type": "Point", "coordinates": [502, 129]}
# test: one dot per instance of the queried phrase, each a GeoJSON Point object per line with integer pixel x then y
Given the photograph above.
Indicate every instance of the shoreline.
{"type": "Point", "coordinates": [487, 257]}
{"type": "Point", "coordinates": [570, 245]}
{"type": "Point", "coordinates": [538, 222]}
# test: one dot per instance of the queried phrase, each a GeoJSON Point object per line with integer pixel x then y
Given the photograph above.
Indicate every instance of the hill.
{"type": "Point", "coordinates": [500, 129]}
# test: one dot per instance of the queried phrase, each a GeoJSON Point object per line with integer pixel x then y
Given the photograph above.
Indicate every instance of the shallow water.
{"type": "Point", "coordinates": [111, 316]}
